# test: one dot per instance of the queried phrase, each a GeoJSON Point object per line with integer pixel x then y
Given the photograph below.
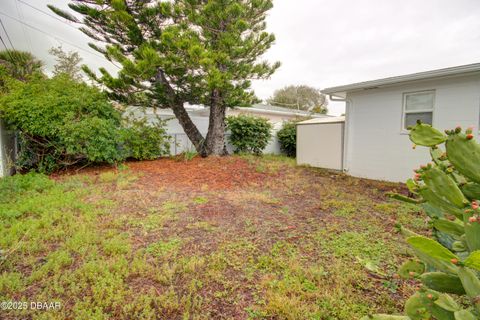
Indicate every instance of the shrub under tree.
{"type": "Point", "coordinates": [287, 137]}
{"type": "Point", "coordinates": [248, 133]}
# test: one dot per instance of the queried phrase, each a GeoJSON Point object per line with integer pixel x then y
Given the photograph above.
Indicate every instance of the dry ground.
{"type": "Point", "coordinates": [237, 237]}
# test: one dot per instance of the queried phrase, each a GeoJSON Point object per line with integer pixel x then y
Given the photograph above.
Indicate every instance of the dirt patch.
{"type": "Point", "coordinates": [213, 173]}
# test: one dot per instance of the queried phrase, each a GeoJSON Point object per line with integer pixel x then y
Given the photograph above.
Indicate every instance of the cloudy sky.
{"type": "Point", "coordinates": [321, 43]}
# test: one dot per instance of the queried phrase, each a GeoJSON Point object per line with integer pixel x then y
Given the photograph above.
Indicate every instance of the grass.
{"type": "Point", "coordinates": [296, 243]}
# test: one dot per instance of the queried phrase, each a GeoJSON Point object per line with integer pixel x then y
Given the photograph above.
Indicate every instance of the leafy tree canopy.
{"type": "Point", "coordinates": [300, 97]}
{"type": "Point", "coordinates": [179, 51]}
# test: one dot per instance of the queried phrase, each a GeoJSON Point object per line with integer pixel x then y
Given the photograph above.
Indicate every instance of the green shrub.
{"type": "Point", "coordinates": [249, 134]}
{"type": "Point", "coordinates": [62, 122]}
{"type": "Point", "coordinates": [143, 141]}
{"type": "Point", "coordinates": [287, 137]}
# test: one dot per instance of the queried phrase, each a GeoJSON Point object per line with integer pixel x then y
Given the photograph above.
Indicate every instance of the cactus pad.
{"type": "Point", "coordinates": [425, 135]}
{"type": "Point", "coordinates": [464, 155]}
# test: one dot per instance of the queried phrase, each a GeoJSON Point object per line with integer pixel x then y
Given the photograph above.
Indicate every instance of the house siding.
{"type": "Point", "coordinates": [378, 148]}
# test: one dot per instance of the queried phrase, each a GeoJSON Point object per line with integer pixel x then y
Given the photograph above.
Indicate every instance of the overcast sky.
{"type": "Point", "coordinates": [321, 43]}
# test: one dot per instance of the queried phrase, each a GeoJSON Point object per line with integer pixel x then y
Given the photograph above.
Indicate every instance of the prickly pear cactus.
{"type": "Point", "coordinates": [449, 190]}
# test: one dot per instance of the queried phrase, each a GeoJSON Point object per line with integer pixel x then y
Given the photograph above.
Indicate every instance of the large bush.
{"type": "Point", "coordinates": [287, 137]}
{"type": "Point", "coordinates": [62, 122]}
{"type": "Point", "coordinates": [249, 134]}
{"type": "Point", "coordinates": [447, 267]}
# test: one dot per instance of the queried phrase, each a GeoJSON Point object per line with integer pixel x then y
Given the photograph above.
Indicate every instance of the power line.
{"type": "Point", "coordinates": [55, 37]}
{"type": "Point", "coordinates": [6, 49]}
{"type": "Point", "coordinates": [27, 37]}
{"type": "Point", "coordinates": [6, 33]}
{"type": "Point", "coordinates": [46, 13]}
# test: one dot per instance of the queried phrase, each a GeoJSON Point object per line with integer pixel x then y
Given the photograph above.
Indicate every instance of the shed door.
{"type": "Point", "coordinates": [320, 145]}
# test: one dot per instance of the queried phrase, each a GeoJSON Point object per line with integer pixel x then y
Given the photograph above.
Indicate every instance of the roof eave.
{"type": "Point", "coordinates": [391, 81]}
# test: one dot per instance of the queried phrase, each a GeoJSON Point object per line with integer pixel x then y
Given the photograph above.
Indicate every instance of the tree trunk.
{"type": "Point", "coordinates": [189, 127]}
{"type": "Point", "coordinates": [215, 140]}
{"type": "Point", "coordinates": [181, 114]}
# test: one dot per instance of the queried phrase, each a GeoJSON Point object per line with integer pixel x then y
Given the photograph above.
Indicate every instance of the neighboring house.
{"type": "Point", "coordinates": [273, 113]}
{"type": "Point", "coordinates": [200, 114]}
{"type": "Point", "coordinates": [378, 112]}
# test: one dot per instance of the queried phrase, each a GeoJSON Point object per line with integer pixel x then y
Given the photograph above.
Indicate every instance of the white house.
{"type": "Point", "coordinates": [376, 143]}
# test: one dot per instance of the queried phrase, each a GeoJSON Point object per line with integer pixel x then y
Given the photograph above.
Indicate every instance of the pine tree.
{"type": "Point", "coordinates": [181, 51]}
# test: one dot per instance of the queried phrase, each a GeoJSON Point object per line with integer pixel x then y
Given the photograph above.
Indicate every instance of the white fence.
{"type": "Point", "coordinates": [180, 143]}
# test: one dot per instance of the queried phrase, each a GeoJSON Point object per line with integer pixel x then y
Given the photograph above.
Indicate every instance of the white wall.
{"type": "Point", "coordinates": [6, 151]}
{"type": "Point", "coordinates": [376, 145]}
{"type": "Point", "coordinates": [320, 145]}
{"type": "Point", "coordinates": [180, 142]}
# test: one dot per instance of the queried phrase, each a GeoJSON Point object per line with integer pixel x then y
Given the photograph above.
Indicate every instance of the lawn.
{"type": "Point", "coordinates": [237, 237]}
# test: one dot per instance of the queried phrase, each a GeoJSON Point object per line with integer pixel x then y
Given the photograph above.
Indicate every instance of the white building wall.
{"type": "Point", "coordinates": [6, 151]}
{"type": "Point", "coordinates": [376, 145]}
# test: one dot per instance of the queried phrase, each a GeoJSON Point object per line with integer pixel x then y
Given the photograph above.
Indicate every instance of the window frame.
{"type": "Point", "coordinates": [405, 111]}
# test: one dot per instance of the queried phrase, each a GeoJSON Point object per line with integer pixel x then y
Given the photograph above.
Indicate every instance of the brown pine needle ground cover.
{"type": "Point", "coordinates": [217, 238]}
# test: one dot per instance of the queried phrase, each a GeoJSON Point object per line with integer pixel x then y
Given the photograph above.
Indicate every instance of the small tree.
{"type": "Point", "coordinates": [249, 134]}
{"type": "Point", "coordinates": [287, 137]}
{"type": "Point", "coordinates": [67, 63]}
{"type": "Point", "coordinates": [300, 97]}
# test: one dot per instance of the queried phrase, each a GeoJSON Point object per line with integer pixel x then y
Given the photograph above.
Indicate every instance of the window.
{"type": "Point", "coordinates": [418, 106]}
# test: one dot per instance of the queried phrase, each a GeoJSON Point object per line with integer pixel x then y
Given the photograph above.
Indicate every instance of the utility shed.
{"type": "Point", "coordinates": [320, 142]}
